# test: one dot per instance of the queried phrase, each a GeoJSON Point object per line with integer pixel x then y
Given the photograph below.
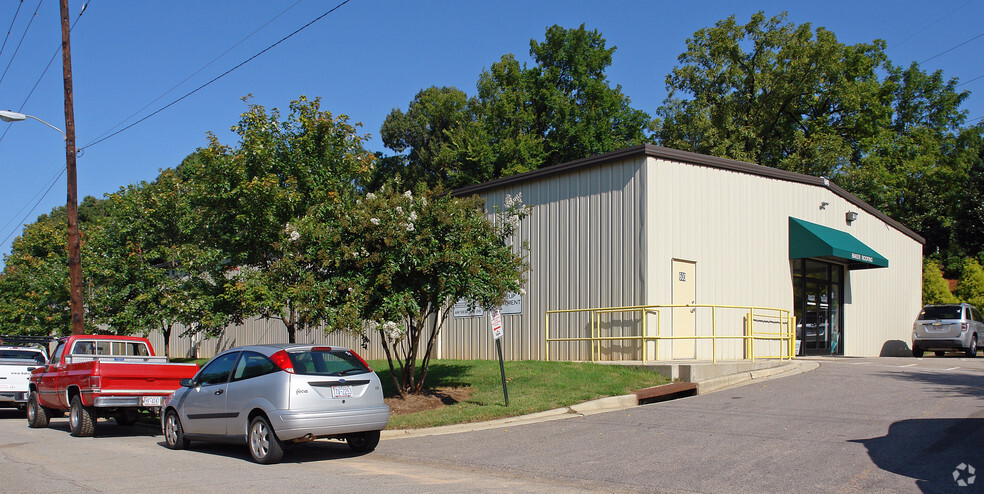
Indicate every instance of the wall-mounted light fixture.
{"type": "Point", "coordinates": [851, 216]}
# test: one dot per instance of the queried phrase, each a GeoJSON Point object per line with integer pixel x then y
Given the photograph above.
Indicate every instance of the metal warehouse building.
{"type": "Point", "coordinates": [651, 253]}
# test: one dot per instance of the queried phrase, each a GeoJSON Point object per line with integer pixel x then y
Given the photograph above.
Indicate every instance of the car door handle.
{"type": "Point", "coordinates": [218, 392]}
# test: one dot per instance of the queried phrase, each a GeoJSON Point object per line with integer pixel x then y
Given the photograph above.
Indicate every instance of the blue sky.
{"type": "Point", "coordinates": [363, 60]}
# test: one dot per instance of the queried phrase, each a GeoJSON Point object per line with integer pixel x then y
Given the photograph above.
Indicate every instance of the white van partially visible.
{"type": "Point", "coordinates": [16, 364]}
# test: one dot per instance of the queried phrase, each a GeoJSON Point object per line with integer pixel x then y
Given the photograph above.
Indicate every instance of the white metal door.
{"type": "Point", "coordinates": [684, 319]}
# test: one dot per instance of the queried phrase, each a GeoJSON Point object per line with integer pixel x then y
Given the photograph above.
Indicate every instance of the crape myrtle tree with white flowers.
{"type": "Point", "coordinates": [405, 257]}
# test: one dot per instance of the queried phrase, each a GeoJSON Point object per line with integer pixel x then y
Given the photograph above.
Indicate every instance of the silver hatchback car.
{"type": "Point", "coordinates": [266, 395]}
{"type": "Point", "coordinates": [947, 327]}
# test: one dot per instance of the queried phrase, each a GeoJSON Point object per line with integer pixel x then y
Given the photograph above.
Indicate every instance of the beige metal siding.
{"type": "Point", "coordinates": [735, 226]}
{"type": "Point", "coordinates": [584, 252]}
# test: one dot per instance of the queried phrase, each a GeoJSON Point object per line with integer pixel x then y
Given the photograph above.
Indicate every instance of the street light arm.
{"type": "Point", "coordinates": [10, 116]}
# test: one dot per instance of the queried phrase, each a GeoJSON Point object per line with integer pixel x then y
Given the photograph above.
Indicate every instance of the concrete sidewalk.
{"type": "Point", "coordinates": [707, 376]}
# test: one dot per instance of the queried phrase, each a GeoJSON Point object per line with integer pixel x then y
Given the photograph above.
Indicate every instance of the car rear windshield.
{"type": "Point", "coordinates": [10, 354]}
{"type": "Point", "coordinates": [941, 312]}
{"type": "Point", "coordinates": [326, 363]}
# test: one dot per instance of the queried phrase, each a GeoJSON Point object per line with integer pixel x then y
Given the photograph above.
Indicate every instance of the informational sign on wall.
{"type": "Point", "coordinates": [511, 307]}
{"type": "Point", "coordinates": [513, 304]}
{"type": "Point", "coordinates": [461, 309]}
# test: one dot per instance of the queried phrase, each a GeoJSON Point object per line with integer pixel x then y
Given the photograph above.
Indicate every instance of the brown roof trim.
{"type": "Point", "coordinates": [652, 151]}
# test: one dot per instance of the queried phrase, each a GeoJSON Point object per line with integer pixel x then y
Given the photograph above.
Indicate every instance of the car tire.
{"type": "Point", "coordinates": [972, 349]}
{"type": "Point", "coordinates": [81, 420]}
{"type": "Point", "coordinates": [174, 431]}
{"type": "Point", "coordinates": [940, 353]}
{"type": "Point", "coordinates": [37, 415]}
{"type": "Point", "coordinates": [363, 442]}
{"type": "Point", "coordinates": [264, 445]}
{"type": "Point", "coordinates": [917, 352]}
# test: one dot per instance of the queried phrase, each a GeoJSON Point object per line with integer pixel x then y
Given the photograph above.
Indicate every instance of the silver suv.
{"type": "Point", "coordinates": [947, 327]}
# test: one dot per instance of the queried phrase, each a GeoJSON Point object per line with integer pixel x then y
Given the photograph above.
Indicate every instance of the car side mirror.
{"type": "Point", "coordinates": [187, 382]}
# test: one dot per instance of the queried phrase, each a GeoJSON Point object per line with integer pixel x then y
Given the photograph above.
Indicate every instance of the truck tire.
{"type": "Point", "coordinates": [37, 415]}
{"type": "Point", "coordinates": [81, 420]}
{"type": "Point", "coordinates": [264, 445]}
{"type": "Point", "coordinates": [174, 432]}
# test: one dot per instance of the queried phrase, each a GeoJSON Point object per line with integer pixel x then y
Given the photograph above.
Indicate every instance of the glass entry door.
{"type": "Point", "coordinates": [817, 292]}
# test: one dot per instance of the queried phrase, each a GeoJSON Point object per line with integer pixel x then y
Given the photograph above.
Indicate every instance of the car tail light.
{"type": "Point", "coordinates": [321, 349]}
{"type": "Point", "coordinates": [361, 360]}
{"type": "Point", "coordinates": [283, 361]}
{"type": "Point", "coordinates": [963, 326]}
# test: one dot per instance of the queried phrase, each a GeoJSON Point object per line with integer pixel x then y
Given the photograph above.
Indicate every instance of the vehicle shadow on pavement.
{"type": "Point", "coordinates": [946, 383]}
{"type": "Point", "coordinates": [313, 451]}
{"type": "Point", "coordinates": [938, 453]}
{"type": "Point", "coordinates": [108, 428]}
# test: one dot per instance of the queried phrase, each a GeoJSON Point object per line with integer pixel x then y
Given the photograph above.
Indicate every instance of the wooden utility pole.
{"type": "Point", "coordinates": [74, 247]}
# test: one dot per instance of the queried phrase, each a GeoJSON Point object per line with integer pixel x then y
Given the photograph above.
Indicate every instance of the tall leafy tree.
{"type": "Point", "coordinates": [399, 260]}
{"type": "Point", "coordinates": [153, 272]}
{"type": "Point", "coordinates": [935, 290]}
{"type": "Point", "coordinates": [561, 108]}
{"type": "Point", "coordinates": [249, 197]}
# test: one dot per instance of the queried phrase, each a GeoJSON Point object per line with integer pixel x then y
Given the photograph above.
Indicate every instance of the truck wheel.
{"type": "Point", "coordinates": [264, 445]}
{"type": "Point", "coordinates": [80, 419]}
{"type": "Point", "coordinates": [363, 442]}
{"type": "Point", "coordinates": [173, 432]}
{"type": "Point", "coordinates": [37, 415]}
{"type": "Point", "coordinates": [972, 349]}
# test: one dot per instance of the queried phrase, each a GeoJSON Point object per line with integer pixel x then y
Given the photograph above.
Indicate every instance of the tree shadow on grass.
{"type": "Point", "coordinates": [439, 375]}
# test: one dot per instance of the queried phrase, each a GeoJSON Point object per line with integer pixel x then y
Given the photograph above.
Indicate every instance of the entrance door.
{"type": "Point", "coordinates": [817, 293]}
{"type": "Point", "coordinates": [684, 319]}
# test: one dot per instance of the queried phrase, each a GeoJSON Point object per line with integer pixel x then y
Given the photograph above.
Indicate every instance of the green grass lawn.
{"type": "Point", "coordinates": [534, 386]}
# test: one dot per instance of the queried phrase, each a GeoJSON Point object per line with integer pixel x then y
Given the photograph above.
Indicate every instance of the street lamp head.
{"type": "Point", "coordinates": [11, 116]}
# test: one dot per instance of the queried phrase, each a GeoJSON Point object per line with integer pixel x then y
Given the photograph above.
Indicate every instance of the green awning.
{"type": "Point", "coordinates": [810, 240]}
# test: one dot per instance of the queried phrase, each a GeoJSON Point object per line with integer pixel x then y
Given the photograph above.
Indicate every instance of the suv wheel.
{"type": "Point", "coordinates": [917, 352]}
{"type": "Point", "coordinates": [972, 349]}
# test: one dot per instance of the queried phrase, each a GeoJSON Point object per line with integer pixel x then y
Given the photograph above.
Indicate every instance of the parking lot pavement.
{"type": "Point", "coordinates": [851, 425]}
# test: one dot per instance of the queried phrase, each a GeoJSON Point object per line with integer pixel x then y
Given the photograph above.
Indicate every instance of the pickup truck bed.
{"type": "Point", "coordinates": [101, 376]}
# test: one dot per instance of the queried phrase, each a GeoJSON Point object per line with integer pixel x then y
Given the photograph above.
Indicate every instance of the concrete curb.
{"type": "Point", "coordinates": [733, 380]}
{"type": "Point", "coordinates": [601, 405]}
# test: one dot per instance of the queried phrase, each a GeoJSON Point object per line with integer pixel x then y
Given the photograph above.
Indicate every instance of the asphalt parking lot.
{"type": "Point", "coordinates": [851, 425]}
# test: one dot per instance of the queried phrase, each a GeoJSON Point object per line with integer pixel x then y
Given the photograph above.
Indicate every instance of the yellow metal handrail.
{"type": "Point", "coordinates": [785, 337]}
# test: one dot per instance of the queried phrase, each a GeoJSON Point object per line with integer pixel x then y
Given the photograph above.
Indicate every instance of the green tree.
{"type": "Point", "coordinates": [248, 199]}
{"type": "Point", "coordinates": [970, 287]}
{"type": "Point", "coordinates": [34, 297]}
{"type": "Point", "coordinates": [523, 118]}
{"type": "Point", "coordinates": [153, 272]}
{"type": "Point", "coordinates": [794, 97]}
{"type": "Point", "coordinates": [773, 93]}
{"type": "Point", "coordinates": [936, 290]}
{"type": "Point", "coordinates": [399, 260]}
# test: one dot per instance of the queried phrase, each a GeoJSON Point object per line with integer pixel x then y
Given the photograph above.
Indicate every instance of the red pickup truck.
{"type": "Point", "coordinates": [94, 376]}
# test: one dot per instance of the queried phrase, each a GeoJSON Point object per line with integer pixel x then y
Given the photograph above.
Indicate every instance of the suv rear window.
{"type": "Point", "coordinates": [941, 312]}
{"type": "Point", "coordinates": [326, 363]}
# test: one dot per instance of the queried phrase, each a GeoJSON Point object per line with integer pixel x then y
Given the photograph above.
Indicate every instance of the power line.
{"type": "Point", "coordinates": [927, 26]}
{"type": "Point", "coordinates": [200, 69]}
{"type": "Point", "coordinates": [203, 86]}
{"type": "Point", "coordinates": [10, 29]}
{"type": "Point", "coordinates": [968, 82]}
{"type": "Point", "coordinates": [53, 182]}
{"type": "Point", "coordinates": [951, 49]}
{"type": "Point", "coordinates": [19, 43]}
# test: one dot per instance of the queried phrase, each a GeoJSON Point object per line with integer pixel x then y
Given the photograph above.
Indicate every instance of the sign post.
{"type": "Point", "coordinates": [497, 334]}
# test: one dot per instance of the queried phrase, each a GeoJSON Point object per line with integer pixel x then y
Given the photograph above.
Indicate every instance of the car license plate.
{"type": "Point", "coordinates": [151, 401]}
{"type": "Point", "coordinates": [341, 391]}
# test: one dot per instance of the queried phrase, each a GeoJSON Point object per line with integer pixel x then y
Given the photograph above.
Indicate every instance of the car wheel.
{"type": "Point", "coordinates": [972, 349]}
{"type": "Point", "coordinates": [174, 432]}
{"type": "Point", "coordinates": [264, 445]}
{"type": "Point", "coordinates": [939, 353]}
{"type": "Point", "coordinates": [363, 442]}
{"type": "Point", "coordinates": [37, 415]}
{"type": "Point", "coordinates": [917, 352]}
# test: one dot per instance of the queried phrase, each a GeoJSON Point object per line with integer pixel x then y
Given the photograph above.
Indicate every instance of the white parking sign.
{"type": "Point", "coordinates": [497, 324]}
